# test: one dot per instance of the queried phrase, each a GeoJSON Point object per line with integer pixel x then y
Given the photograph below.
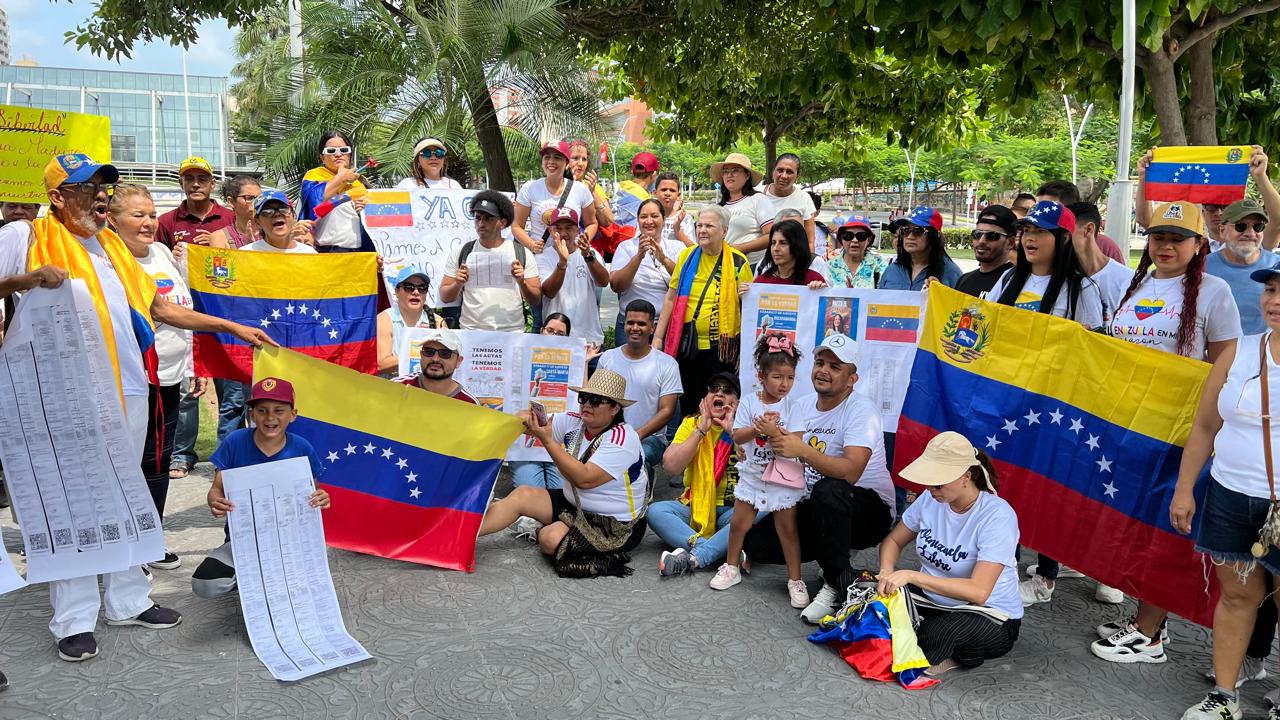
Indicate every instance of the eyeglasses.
{"type": "Point", "coordinates": [988, 235]}
{"type": "Point", "coordinates": [442, 353]}
{"type": "Point", "coordinates": [92, 187]}
{"type": "Point", "coordinates": [594, 400]}
{"type": "Point", "coordinates": [549, 331]}
{"type": "Point", "coordinates": [340, 150]}
{"type": "Point", "coordinates": [430, 152]}
{"type": "Point", "coordinates": [277, 211]}
{"type": "Point", "coordinates": [247, 198]}
{"type": "Point", "coordinates": [1257, 227]}
{"type": "Point", "coordinates": [414, 287]}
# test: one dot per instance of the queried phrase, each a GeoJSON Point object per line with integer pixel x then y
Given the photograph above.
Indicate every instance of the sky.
{"type": "Point", "coordinates": [36, 28]}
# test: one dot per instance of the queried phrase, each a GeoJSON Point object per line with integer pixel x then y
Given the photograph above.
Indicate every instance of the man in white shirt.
{"type": "Point", "coordinates": [486, 303]}
{"type": "Point", "coordinates": [851, 496]}
{"type": "Point", "coordinates": [653, 380]}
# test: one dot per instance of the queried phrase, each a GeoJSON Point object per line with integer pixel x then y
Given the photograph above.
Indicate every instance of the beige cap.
{"type": "Point", "coordinates": [947, 456]}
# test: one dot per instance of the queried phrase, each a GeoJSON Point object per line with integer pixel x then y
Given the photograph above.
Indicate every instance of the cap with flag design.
{"type": "Point", "coordinates": [856, 221]}
{"type": "Point", "coordinates": [270, 195]}
{"type": "Point", "coordinates": [76, 168]}
{"type": "Point", "coordinates": [925, 217]}
{"type": "Point", "coordinates": [1050, 215]}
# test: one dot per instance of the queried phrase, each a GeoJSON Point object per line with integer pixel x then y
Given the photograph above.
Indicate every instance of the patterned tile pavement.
{"type": "Point", "coordinates": [514, 641]}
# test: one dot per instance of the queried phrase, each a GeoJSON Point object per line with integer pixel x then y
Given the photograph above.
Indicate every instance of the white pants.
{"type": "Point", "coordinates": [128, 592]}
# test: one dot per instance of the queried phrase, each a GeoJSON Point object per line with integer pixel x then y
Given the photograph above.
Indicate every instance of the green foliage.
{"type": "Point", "coordinates": [117, 24]}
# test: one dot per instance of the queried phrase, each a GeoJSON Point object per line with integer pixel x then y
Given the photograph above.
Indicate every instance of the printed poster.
{"type": "Point", "coordinates": [30, 137]}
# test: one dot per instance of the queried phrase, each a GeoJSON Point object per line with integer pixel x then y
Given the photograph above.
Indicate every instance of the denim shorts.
{"type": "Point", "coordinates": [1229, 526]}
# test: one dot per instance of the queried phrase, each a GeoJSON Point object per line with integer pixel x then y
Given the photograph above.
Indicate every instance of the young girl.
{"type": "Point", "coordinates": [762, 416]}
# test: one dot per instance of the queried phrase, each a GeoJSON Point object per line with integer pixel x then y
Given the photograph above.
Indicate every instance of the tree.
{"type": "Point", "coordinates": [117, 24]}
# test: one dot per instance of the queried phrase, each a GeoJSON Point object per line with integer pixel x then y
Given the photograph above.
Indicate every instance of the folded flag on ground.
{"type": "Point", "coordinates": [877, 637]}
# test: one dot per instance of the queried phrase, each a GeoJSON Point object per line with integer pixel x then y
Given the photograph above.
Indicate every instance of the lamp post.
{"type": "Point", "coordinates": [1120, 201]}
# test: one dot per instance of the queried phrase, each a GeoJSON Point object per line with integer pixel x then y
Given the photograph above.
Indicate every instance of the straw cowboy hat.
{"type": "Point", "coordinates": [607, 384]}
{"type": "Point", "coordinates": [717, 169]}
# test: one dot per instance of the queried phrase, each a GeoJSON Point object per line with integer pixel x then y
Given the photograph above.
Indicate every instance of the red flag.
{"type": "Point", "coordinates": [604, 153]}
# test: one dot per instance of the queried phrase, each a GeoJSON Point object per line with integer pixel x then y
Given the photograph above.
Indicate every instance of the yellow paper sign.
{"type": "Point", "coordinates": [30, 137]}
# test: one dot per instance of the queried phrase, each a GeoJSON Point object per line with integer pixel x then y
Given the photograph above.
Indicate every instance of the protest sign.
{"type": "Point", "coordinates": [30, 137]}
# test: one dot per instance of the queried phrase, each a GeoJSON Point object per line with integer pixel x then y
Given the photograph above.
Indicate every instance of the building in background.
{"type": "Point", "coordinates": [630, 121]}
{"type": "Point", "coordinates": [5, 47]}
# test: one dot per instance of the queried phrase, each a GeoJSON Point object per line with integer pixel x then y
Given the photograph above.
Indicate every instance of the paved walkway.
{"type": "Point", "coordinates": [514, 641]}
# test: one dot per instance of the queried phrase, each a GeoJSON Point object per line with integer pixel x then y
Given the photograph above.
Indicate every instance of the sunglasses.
{"type": "Point", "coordinates": [720, 388]}
{"type": "Point", "coordinates": [442, 353]}
{"type": "Point", "coordinates": [988, 235]}
{"type": "Point", "coordinates": [913, 231]}
{"type": "Point", "coordinates": [1257, 227]}
{"type": "Point", "coordinates": [855, 236]}
{"type": "Point", "coordinates": [277, 211]}
{"type": "Point", "coordinates": [414, 287]}
{"type": "Point", "coordinates": [342, 150]}
{"type": "Point", "coordinates": [594, 400]}
{"type": "Point", "coordinates": [436, 152]}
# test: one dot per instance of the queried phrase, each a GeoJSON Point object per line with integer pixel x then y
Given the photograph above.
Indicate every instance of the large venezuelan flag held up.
{"type": "Point", "coordinates": [1086, 433]}
{"type": "Point", "coordinates": [410, 473]}
{"type": "Point", "coordinates": [1215, 175]}
{"type": "Point", "coordinates": [324, 306]}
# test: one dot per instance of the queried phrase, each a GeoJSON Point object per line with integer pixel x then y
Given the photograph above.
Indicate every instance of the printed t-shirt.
{"type": "Point", "coordinates": [1113, 280]}
{"type": "Point", "coordinates": [173, 345]}
{"type": "Point", "coordinates": [649, 379]}
{"type": "Point", "coordinates": [491, 308]}
{"type": "Point", "coordinates": [854, 422]}
{"type": "Point", "coordinates": [757, 452]}
{"type": "Point", "coordinates": [1088, 304]}
{"type": "Point", "coordinates": [619, 455]}
{"type": "Point", "coordinates": [239, 450]}
{"type": "Point", "coordinates": [669, 230]}
{"type": "Point", "coordinates": [708, 320]}
{"type": "Point", "coordinates": [534, 195]}
{"type": "Point", "coordinates": [1152, 315]}
{"type": "Point", "coordinates": [577, 299]}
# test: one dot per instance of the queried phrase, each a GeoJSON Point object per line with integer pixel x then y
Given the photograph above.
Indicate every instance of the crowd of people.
{"type": "Point", "coordinates": [763, 478]}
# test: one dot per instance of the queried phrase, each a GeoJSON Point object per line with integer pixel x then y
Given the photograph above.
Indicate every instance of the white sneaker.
{"type": "Point", "coordinates": [1252, 669]}
{"type": "Point", "coordinates": [1109, 595]}
{"type": "Point", "coordinates": [799, 594]}
{"type": "Point", "coordinates": [726, 577]}
{"type": "Point", "coordinates": [1035, 590]}
{"type": "Point", "coordinates": [822, 605]}
{"type": "Point", "coordinates": [1064, 572]}
{"type": "Point", "coordinates": [526, 528]}
{"type": "Point", "coordinates": [1129, 646]}
{"type": "Point", "coordinates": [1106, 630]}
{"type": "Point", "coordinates": [1215, 706]}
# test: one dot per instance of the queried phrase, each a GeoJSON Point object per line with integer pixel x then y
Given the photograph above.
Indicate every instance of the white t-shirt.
{"type": "Point", "coordinates": [446, 182]}
{"type": "Point", "coordinates": [1152, 315]}
{"type": "Point", "coordinates": [797, 200]}
{"type": "Point", "coordinates": [264, 246]}
{"type": "Point", "coordinates": [577, 299]}
{"type": "Point", "coordinates": [620, 456]}
{"type": "Point", "coordinates": [669, 229]}
{"type": "Point", "coordinates": [173, 345]}
{"type": "Point", "coordinates": [492, 308]}
{"type": "Point", "coordinates": [651, 279]}
{"type": "Point", "coordinates": [747, 217]}
{"type": "Point", "coordinates": [856, 422]}
{"type": "Point", "coordinates": [1113, 279]}
{"type": "Point", "coordinates": [1088, 305]}
{"type": "Point", "coordinates": [757, 453]}
{"type": "Point", "coordinates": [534, 195]}
{"type": "Point", "coordinates": [649, 379]}
{"type": "Point", "coordinates": [951, 544]}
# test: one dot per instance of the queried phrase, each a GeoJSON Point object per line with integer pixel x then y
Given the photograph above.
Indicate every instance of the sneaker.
{"type": "Point", "coordinates": [799, 594]}
{"type": "Point", "coordinates": [675, 562]}
{"type": "Point", "coordinates": [1108, 595]}
{"type": "Point", "coordinates": [526, 528]}
{"type": "Point", "coordinates": [1272, 699]}
{"type": "Point", "coordinates": [822, 605]}
{"type": "Point", "coordinates": [170, 561]}
{"type": "Point", "coordinates": [75, 648]}
{"type": "Point", "coordinates": [1106, 630]}
{"type": "Point", "coordinates": [1129, 646]}
{"type": "Point", "coordinates": [146, 572]}
{"type": "Point", "coordinates": [1035, 590]}
{"type": "Point", "coordinates": [1252, 669]}
{"type": "Point", "coordinates": [4, 682]}
{"type": "Point", "coordinates": [1064, 572]}
{"type": "Point", "coordinates": [155, 617]}
{"type": "Point", "coordinates": [1215, 706]}
{"type": "Point", "coordinates": [726, 577]}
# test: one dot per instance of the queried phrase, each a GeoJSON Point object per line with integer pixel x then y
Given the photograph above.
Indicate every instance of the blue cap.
{"type": "Point", "coordinates": [76, 168]}
{"type": "Point", "coordinates": [409, 271]}
{"type": "Point", "coordinates": [268, 196]}
{"type": "Point", "coordinates": [1265, 274]}
{"type": "Point", "coordinates": [925, 217]}
{"type": "Point", "coordinates": [1051, 215]}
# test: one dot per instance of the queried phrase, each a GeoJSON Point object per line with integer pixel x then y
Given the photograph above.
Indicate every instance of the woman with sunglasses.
{"type": "Point", "coordinates": [409, 311]}
{"type": "Point", "coordinates": [858, 266]}
{"type": "Point", "coordinates": [332, 178]}
{"type": "Point", "coordinates": [240, 192]}
{"type": "Point", "coordinates": [429, 167]}
{"type": "Point", "coordinates": [921, 254]}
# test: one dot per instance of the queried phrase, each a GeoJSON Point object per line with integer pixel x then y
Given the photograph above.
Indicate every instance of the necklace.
{"type": "Point", "coordinates": [968, 507]}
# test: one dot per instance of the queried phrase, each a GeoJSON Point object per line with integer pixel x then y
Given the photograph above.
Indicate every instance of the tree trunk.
{"type": "Point", "coordinates": [484, 117]}
{"type": "Point", "coordinates": [1202, 106]}
{"type": "Point", "coordinates": [770, 147]}
{"type": "Point", "coordinates": [1163, 86]}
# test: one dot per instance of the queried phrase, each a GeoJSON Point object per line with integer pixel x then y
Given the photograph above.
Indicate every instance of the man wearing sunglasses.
{"type": "Point", "coordinates": [440, 353]}
{"type": "Point", "coordinates": [993, 248]}
{"type": "Point", "coordinates": [199, 216]}
{"type": "Point", "coordinates": [1244, 223]}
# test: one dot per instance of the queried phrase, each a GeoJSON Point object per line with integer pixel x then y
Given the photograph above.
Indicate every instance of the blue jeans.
{"type": "Point", "coordinates": [619, 333]}
{"type": "Point", "coordinates": [536, 474]}
{"type": "Point", "coordinates": [670, 520]}
{"type": "Point", "coordinates": [654, 446]}
{"type": "Point", "coordinates": [231, 412]}
{"type": "Point", "coordinates": [184, 439]}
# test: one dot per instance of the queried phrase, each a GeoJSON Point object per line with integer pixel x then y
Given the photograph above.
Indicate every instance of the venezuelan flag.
{"type": "Point", "coordinates": [876, 639]}
{"type": "Point", "coordinates": [893, 323]}
{"type": "Point", "coordinates": [324, 306]}
{"type": "Point", "coordinates": [410, 472]}
{"type": "Point", "coordinates": [1215, 175]}
{"type": "Point", "coordinates": [388, 208]}
{"type": "Point", "coordinates": [1086, 433]}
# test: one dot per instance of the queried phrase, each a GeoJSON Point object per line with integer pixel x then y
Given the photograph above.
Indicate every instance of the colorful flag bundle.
{"type": "Point", "coordinates": [1086, 433]}
{"type": "Point", "coordinates": [410, 472]}
{"type": "Point", "coordinates": [324, 306]}
{"type": "Point", "coordinates": [1215, 175]}
{"type": "Point", "coordinates": [874, 634]}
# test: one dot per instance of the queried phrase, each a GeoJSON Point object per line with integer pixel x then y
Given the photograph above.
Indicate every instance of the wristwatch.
{"type": "Point", "coordinates": [591, 257]}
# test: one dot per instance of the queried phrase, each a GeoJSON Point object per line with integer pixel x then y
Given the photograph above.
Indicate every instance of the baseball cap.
{"type": "Point", "coordinates": [1181, 218]}
{"type": "Point", "coordinates": [267, 196]}
{"type": "Point", "coordinates": [843, 347]}
{"type": "Point", "coordinates": [272, 388]}
{"type": "Point", "coordinates": [855, 221]}
{"type": "Point", "coordinates": [426, 143]}
{"type": "Point", "coordinates": [493, 204]}
{"type": "Point", "coordinates": [729, 378]}
{"type": "Point", "coordinates": [410, 271]}
{"type": "Point", "coordinates": [76, 168]}
{"type": "Point", "coordinates": [925, 217]}
{"type": "Point", "coordinates": [555, 146]}
{"type": "Point", "coordinates": [195, 163]}
{"type": "Point", "coordinates": [1051, 215]}
{"type": "Point", "coordinates": [555, 215]}
{"type": "Point", "coordinates": [447, 338]}
{"type": "Point", "coordinates": [645, 161]}
{"type": "Point", "coordinates": [1241, 209]}
{"type": "Point", "coordinates": [1265, 274]}
{"type": "Point", "coordinates": [947, 456]}
{"type": "Point", "coordinates": [1000, 216]}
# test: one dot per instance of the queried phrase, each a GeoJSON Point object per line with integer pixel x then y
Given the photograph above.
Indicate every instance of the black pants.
{"type": "Point", "coordinates": [967, 637]}
{"type": "Point", "coordinates": [836, 517]}
{"type": "Point", "coordinates": [162, 426]}
{"type": "Point", "coordinates": [1264, 627]}
{"type": "Point", "coordinates": [696, 373]}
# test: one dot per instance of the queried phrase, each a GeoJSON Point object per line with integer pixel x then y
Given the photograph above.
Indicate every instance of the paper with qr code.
{"type": "Point", "coordinates": [70, 464]}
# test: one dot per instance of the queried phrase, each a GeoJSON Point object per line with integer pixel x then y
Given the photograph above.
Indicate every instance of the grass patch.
{"type": "Point", "coordinates": [207, 440]}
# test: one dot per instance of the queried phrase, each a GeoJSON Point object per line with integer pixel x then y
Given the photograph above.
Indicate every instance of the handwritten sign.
{"type": "Point", "coordinates": [30, 137]}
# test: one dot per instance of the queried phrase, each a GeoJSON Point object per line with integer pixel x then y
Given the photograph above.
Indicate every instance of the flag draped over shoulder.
{"type": "Point", "coordinates": [1086, 433]}
{"type": "Point", "coordinates": [410, 472]}
{"type": "Point", "coordinates": [1215, 175]}
{"type": "Point", "coordinates": [324, 306]}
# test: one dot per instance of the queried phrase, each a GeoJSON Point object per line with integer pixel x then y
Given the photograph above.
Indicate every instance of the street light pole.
{"type": "Point", "coordinates": [1076, 135]}
{"type": "Point", "coordinates": [1120, 201]}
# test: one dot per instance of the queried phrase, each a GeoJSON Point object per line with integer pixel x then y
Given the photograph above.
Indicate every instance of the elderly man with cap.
{"type": "Point", "coordinates": [491, 306]}
{"type": "Point", "coordinates": [993, 241]}
{"type": "Point", "coordinates": [440, 353]}
{"type": "Point", "coordinates": [280, 231]}
{"type": "Point", "coordinates": [72, 241]}
{"type": "Point", "coordinates": [1244, 225]}
{"type": "Point", "coordinates": [570, 288]}
{"type": "Point", "coordinates": [851, 498]}
{"type": "Point", "coordinates": [199, 216]}
{"type": "Point", "coordinates": [408, 311]}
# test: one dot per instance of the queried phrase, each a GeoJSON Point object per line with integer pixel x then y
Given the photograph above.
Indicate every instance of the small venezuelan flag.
{"type": "Point", "coordinates": [1086, 433]}
{"type": "Point", "coordinates": [388, 208]}
{"type": "Point", "coordinates": [1214, 175]}
{"type": "Point", "coordinates": [410, 472]}
{"type": "Point", "coordinates": [893, 323]}
{"type": "Point", "coordinates": [324, 306]}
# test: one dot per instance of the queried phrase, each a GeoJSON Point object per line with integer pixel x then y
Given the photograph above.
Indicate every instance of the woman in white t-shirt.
{"type": "Point", "coordinates": [787, 195]}
{"type": "Point", "coordinates": [750, 212]}
{"type": "Point", "coordinates": [967, 541]}
{"type": "Point", "coordinates": [1177, 308]}
{"type": "Point", "coordinates": [1048, 277]}
{"type": "Point", "coordinates": [429, 167]}
{"type": "Point", "coordinates": [678, 225]}
{"type": "Point", "coordinates": [642, 265]}
{"type": "Point", "coordinates": [590, 525]}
